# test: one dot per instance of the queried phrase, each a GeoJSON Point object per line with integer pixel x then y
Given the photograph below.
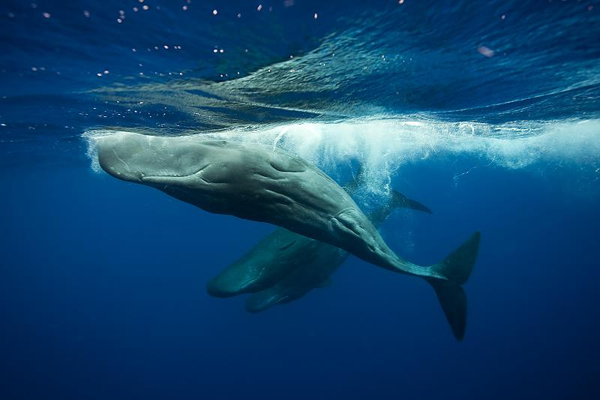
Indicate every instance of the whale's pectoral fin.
{"type": "Point", "coordinates": [456, 269]}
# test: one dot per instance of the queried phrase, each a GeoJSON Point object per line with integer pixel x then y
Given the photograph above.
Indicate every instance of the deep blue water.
{"type": "Point", "coordinates": [487, 112]}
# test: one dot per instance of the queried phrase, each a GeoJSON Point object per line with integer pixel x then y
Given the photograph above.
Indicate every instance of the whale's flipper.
{"type": "Point", "coordinates": [457, 268]}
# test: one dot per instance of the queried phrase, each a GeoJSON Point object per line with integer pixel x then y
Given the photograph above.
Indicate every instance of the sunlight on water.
{"type": "Point", "coordinates": [382, 146]}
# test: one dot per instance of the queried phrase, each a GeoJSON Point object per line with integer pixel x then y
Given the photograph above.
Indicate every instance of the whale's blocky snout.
{"type": "Point", "coordinates": [225, 286]}
{"type": "Point", "coordinates": [151, 160]}
{"type": "Point", "coordinates": [119, 155]}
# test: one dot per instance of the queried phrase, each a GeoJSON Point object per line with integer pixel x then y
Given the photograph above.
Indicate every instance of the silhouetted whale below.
{"type": "Point", "coordinates": [285, 266]}
{"type": "Point", "coordinates": [318, 261]}
{"type": "Point", "coordinates": [258, 183]}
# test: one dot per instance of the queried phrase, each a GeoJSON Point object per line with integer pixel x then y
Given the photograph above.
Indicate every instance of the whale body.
{"type": "Point", "coordinates": [255, 182]}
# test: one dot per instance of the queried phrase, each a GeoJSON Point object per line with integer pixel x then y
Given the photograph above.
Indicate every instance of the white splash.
{"type": "Point", "coordinates": [382, 146]}
{"type": "Point", "coordinates": [92, 150]}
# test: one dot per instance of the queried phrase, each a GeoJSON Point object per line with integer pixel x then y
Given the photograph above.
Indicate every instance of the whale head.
{"type": "Point", "coordinates": [237, 279]}
{"type": "Point", "coordinates": [253, 272]}
{"type": "Point", "coordinates": [151, 160]}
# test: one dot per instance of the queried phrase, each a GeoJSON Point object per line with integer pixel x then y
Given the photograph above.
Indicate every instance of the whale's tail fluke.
{"type": "Point", "coordinates": [456, 268]}
{"type": "Point", "coordinates": [399, 200]}
{"type": "Point", "coordinates": [396, 200]}
{"type": "Point", "coordinates": [453, 300]}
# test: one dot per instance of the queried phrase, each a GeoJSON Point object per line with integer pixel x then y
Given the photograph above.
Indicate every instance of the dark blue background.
{"type": "Point", "coordinates": [102, 296]}
{"type": "Point", "coordinates": [102, 282]}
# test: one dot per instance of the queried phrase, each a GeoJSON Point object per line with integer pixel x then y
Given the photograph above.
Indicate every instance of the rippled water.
{"type": "Point", "coordinates": [182, 67]}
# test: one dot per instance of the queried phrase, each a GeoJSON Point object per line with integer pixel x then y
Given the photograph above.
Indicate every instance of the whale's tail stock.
{"type": "Point", "coordinates": [456, 268]}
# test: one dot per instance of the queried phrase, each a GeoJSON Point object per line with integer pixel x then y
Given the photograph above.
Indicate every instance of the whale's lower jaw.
{"type": "Point", "coordinates": [258, 306]}
{"type": "Point", "coordinates": [171, 180]}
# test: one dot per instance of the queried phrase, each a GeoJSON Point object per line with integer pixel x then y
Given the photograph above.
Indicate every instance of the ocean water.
{"type": "Point", "coordinates": [486, 112]}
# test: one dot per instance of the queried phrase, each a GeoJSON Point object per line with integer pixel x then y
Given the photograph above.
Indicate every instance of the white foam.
{"type": "Point", "coordinates": [92, 151]}
{"type": "Point", "coordinates": [384, 145]}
